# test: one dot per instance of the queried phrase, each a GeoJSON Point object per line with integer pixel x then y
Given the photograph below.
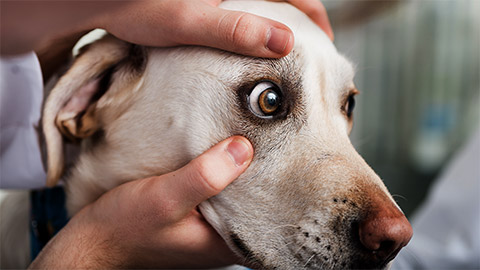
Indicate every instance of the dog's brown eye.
{"type": "Point", "coordinates": [268, 101]}
{"type": "Point", "coordinates": [350, 105]}
{"type": "Point", "coordinates": [264, 100]}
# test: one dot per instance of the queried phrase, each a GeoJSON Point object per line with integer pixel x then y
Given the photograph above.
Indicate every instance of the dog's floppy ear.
{"type": "Point", "coordinates": [71, 107]}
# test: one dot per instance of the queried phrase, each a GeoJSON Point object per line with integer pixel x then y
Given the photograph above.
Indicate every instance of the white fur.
{"type": "Point", "coordinates": [289, 209]}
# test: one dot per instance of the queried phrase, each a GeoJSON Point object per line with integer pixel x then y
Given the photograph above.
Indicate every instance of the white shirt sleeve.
{"type": "Point", "coordinates": [21, 95]}
{"type": "Point", "coordinates": [446, 229]}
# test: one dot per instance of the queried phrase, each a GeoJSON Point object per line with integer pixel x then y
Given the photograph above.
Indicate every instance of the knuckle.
{"type": "Point", "coordinates": [236, 27]}
{"type": "Point", "coordinates": [181, 16]}
{"type": "Point", "coordinates": [180, 11]}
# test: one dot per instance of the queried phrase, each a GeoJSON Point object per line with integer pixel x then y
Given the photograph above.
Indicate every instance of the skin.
{"type": "Point", "coordinates": [152, 222]}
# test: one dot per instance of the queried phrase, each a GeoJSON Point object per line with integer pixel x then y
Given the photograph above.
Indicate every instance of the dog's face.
{"type": "Point", "coordinates": [308, 200]}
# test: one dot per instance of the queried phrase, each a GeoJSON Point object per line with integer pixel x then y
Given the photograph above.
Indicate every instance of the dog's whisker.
{"type": "Point", "coordinates": [395, 196]}
{"type": "Point", "coordinates": [298, 250]}
{"type": "Point", "coordinates": [289, 237]}
{"type": "Point", "coordinates": [309, 259]}
{"type": "Point", "coordinates": [282, 226]}
{"type": "Point", "coordinates": [413, 257]}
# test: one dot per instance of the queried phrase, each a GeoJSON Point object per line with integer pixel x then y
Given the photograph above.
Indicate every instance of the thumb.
{"type": "Point", "coordinates": [239, 32]}
{"type": "Point", "coordinates": [208, 174]}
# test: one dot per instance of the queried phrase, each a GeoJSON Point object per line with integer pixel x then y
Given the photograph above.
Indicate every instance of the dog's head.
{"type": "Point", "coordinates": [308, 200]}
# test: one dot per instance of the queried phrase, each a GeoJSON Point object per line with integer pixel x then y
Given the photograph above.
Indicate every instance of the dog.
{"type": "Point", "coordinates": [308, 200]}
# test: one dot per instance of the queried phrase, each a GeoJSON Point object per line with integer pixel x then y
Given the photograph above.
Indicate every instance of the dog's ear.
{"type": "Point", "coordinates": [72, 107]}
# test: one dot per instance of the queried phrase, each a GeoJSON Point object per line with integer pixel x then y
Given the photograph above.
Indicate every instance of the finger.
{"type": "Point", "coordinates": [316, 11]}
{"type": "Point", "coordinates": [213, 2]}
{"type": "Point", "coordinates": [236, 31]}
{"type": "Point", "coordinates": [208, 174]}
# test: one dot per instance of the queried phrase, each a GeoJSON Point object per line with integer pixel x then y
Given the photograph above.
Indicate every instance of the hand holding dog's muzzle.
{"type": "Point", "coordinates": [153, 222]}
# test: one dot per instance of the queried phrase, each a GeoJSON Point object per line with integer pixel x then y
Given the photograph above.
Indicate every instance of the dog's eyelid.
{"type": "Point", "coordinates": [345, 95]}
{"type": "Point", "coordinates": [348, 102]}
{"type": "Point", "coordinates": [351, 92]}
{"type": "Point", "coordinates": [347, 92]}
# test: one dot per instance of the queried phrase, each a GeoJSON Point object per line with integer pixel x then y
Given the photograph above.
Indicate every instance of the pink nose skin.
{"type": "Point", "coordinates": [384, 232]}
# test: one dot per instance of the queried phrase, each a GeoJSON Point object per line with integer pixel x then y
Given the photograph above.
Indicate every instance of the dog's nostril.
{"type": "Point", "coordinates": [387, 251]}
{"type": "Point", "coordinates": [386, 245]}
{"type": "Point", "coordinates": [384, 235]}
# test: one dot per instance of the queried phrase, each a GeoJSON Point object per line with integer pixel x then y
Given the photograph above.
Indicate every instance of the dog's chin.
{"type": "Point", "coordinates": [233, 241]}
{"type": "Point", "coordinates": [211, 216]}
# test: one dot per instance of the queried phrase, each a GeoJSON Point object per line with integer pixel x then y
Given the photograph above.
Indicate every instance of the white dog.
{"type": "Point", "coordinates": [308, 200]}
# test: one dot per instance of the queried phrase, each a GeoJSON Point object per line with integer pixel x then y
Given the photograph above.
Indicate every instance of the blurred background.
{"type": "Point", "coordinates": [418, 69]}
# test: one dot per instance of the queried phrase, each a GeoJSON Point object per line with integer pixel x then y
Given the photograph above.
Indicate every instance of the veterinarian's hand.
{"type": "Point", "coordinates": [201, 22]}
{"type": "Point", "coordinates": [153, 222]}
{"type": "Point", "coordinates": [316, 11]}
{"type": "Point", "coordinates": [153, 22]}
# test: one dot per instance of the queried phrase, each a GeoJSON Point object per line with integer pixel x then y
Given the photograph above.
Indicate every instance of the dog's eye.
{"type": "Point", "coordinates": [350, 105]}
{"type": "Point", "coordinates": [264, 100]}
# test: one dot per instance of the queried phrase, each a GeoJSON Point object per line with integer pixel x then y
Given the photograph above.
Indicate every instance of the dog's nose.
{"type": "Point", "coordinates": [384, 233]}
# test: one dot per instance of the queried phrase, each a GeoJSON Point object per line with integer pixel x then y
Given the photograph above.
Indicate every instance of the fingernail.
{"type": "Point", "coordinates": [239, 152]}
{"type": "Point", "coordinates": [278, 40]}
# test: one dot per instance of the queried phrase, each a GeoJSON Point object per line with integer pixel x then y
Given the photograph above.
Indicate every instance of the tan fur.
{"type": "Point", "coordinates": [109, 51]}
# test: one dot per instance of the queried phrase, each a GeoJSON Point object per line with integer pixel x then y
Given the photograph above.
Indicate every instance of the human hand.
{"type": "Point", "coordinates": [316, 11]}
{"type": "Point", "coordinates": [153, 222]}
{"type": "Point", "coordinates": [201, 22]}
{"type": "Point", "coordinates": [153, 22]}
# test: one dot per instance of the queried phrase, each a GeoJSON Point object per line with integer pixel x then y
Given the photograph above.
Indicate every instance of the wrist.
{"type": "Point", "coordinates": [81, 244]}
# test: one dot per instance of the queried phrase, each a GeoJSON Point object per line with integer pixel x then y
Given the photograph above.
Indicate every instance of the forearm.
{"type": "Point", "coordinates": [79, 245]}
{"type": "Point", "coordinates": [26, 23]}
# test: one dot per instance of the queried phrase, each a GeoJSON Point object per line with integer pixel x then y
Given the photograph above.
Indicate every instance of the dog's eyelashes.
{"type": "Point", "coordinates": [265, 99]}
